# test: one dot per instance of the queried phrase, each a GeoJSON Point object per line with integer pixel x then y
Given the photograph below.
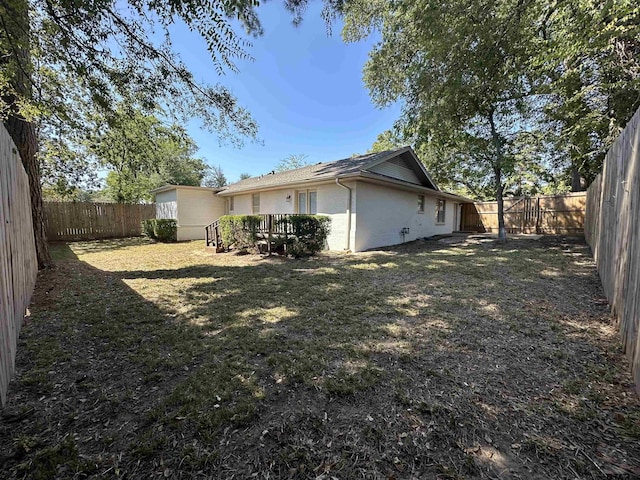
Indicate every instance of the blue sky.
{"type": "Point", "coordinates": [304, 89]}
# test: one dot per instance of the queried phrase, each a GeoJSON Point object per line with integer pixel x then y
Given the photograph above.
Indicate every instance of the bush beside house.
{"type": "Point", "coordinates": [309, 233]}
{"type": "Point", "coordinates": [241, 231]}
{"type": "Point", "coordinates": [161, 229]}
{"type": "Point", "coordinates": [306, 234]}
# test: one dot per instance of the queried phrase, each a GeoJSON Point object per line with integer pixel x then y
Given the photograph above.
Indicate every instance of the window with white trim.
{"type": "Point", "coordinates": [307, 202]}
{"type": "Point", "coordinates": [440, 210]}
{"type": "Point", "coordinates": [255, 203]}
{"type": "Point", "coordinates": [420, 203]}
{"type": "Point", "coordinates": [231, 204]}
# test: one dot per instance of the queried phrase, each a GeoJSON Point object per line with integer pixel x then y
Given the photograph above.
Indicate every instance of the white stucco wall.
{"type": "Point", "coordinates": [167, 204]}
{"type": "Point", "coordinates": [196, 209]}
{"type": "Point", "coordinates": [242, 204]}
{"type": "Point", "coordinates": [383, 212]}
{"type": "Point", "coordinates": [331, 201]}
{"type": "Point", "coordinates": [378, 213]}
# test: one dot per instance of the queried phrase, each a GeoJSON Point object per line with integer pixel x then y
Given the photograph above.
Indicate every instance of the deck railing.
{"type": "Point", "coordinates": [271, 226]}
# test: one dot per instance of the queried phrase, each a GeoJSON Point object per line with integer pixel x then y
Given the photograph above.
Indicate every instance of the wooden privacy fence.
{"type": "Point", "coordinates": [547, 214]}
{"type": "Point", "coordinates": [18, 263]}
{"type": "Point", "coordinates": [612, 229]}
{"type": "Point", "coordinates": [92, 221]}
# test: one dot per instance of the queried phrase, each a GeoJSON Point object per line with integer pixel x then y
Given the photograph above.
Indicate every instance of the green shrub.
{"type": "Point", "coordinates": [240, 231]}
{"type": "Point", "coordinates": [161, 229]}
{"type": "Point", "coordinates": [147, 228]}
{"type": "Point", "coordinates": [308, 233]}
{"type": "Point", "coordinates": [165, 229]}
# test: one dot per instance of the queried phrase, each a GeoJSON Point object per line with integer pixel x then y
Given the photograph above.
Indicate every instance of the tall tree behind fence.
{"type": "Point", "coordinates": [18, 262]}
{"type": "Point", "coordinates": [92, 221]}
{"type": "Point", "coordinates": [546, 214]}
{"type": "Point", "coordinates": [612, 229]}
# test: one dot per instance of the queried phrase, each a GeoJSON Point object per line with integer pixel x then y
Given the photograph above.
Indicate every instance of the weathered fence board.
{"type": "Point", "coordinates": [92, 221]}
{"type": "Point", "coordinates": [18, 263]}
{"type": "Point", "coordinates": [612, 229]}
{"type": "Point", "coordinates": [549, 214]}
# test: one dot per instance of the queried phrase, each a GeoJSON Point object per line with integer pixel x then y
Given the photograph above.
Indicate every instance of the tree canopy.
{"type": "Point", "coordinates": [292, 162]}
{"type": "Point", "coordinates": [57, 56]}
{"type": "Point", "coordinates": [507, 96]}
{"type": "Point", "coordinates": [458, 67]}
{"type": "Point", "coordinates": [586, 64]}
{"type": "Point", "coordinates": [142, 153]}
{"type": "Point", "coordinates": [215, 177]}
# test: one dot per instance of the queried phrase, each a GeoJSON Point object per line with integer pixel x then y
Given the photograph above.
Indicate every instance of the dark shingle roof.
{"type": "Point", "coordinates": [319, 171]}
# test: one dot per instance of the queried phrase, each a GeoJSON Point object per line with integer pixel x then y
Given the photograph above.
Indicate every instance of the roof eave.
{"type": "Point", "coordinates": [381, 179]}
{"type": "Point", "coordinates": [168, 187]}
{"type": "Point", "coordinates": [262, 188]}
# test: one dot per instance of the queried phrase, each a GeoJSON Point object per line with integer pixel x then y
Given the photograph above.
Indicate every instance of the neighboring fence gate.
{"type": "Point", "coordinates": [92, 221]}
{"type": "Point", "coordinates": [18, 262]}
{"type": "Point", "coordinates": [546, 214]}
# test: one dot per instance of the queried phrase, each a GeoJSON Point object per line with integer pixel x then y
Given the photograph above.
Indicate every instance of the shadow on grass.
{"type": "Point", "coordinates": [424, 360]}
{"type": "Point", "coordinates": [61, 250]}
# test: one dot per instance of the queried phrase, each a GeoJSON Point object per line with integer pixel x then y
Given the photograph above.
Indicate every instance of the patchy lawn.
{"type": "Point", "coordinates": [424, 361]}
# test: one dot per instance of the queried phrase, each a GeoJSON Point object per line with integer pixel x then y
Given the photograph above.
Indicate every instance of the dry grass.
{"type": "Point", "coordinates": [422, 361]}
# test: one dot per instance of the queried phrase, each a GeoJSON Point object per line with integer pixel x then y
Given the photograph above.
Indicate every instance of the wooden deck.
{"type": "Point", "coordinates": [271, 228]}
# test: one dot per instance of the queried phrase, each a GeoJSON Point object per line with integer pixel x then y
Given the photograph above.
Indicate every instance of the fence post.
{"type": "Point", "coordinates": [269, 232]}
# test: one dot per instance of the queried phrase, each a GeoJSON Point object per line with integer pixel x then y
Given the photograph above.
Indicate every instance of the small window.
{"type": "Point", "coordinates": [440, 210]}
{"type": "Point", "coordinates": [302, 202]}
{"type": "Point", "coordinates": [420, 203]}
{"type": "Point", "coordinates": [255, 203]}
{"type": "Point", "coordinates": [313, 203]}
{"type": "Point", "coordinates": [231, 204]}
{"type": "Point", "coordinates": [307, 202]}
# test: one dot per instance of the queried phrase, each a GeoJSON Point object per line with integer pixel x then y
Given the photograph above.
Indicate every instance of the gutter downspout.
{"type": "Point", "coordinates": [348, 247]}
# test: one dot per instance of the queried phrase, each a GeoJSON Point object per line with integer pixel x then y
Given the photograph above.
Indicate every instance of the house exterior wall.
{"type": "Point", "coordinates": [167, 204]}
{"type": "Point", "coordinates": [195, 210]}
{"type": "Point", "coordinates": [383, 212]}
{"type": "Point", "coordinates": [331, 201]}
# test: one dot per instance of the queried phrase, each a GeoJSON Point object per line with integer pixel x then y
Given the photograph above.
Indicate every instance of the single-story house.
{"type": "Point", "coordinates": [374, 200]}
{"type": "Point", "coordinates": [192, 207]}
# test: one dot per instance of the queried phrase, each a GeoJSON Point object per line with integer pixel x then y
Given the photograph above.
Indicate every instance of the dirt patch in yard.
{"type": "Point", "coordinates": [473, 360]}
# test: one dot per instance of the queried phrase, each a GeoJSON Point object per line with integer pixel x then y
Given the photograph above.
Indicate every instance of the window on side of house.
{"type": "Point", "coordinates": [307, 202]}
{"type": "Point", "coordinates": [420, 203]}
{"type": "Point", "coordinates": [302, 202]}
{"type": "Point", "coordinates": [440, 209]}
{"type": "Point", "coordinates": [231, 204]}
{"type": "Point", "coordinates": [313, 202]}
{"type": "Point", "coordinates": [255, 203]}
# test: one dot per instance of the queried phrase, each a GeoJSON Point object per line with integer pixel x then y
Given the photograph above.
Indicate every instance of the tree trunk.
{"type": "Point", "coordinates": [576, 181]}
{"type": "Point", "coordinates": [18, 61]}
{"type": "Point", "coordinates": [502, 231]}
{"type": "Point", "coordinates": [497, 171]}
{"type": "Point", "coordinates": [23, 134]}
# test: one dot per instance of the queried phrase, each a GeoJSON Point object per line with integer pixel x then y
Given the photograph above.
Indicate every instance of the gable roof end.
{"type": "Point", "coordinates": [409, 156]}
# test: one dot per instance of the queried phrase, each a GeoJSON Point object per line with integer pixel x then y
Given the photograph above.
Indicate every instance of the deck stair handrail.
{"type": "Point", "coordinates": [212, 235]}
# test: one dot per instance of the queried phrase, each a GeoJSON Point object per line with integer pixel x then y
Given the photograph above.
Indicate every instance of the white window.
{"type": "Point", "coordinates": [231, 204]}
{"type": "Point", "coordinates": [440, 209]}
{"type": "Point", "coordinates": [302, 202]}
{"type": "Point", "coordinates": [307, 202]}
{"type": "Point", "coordinates": [313, 202]}
{"type": "Point", "coordinates": [420, 203]}
{"type": "Point", "coordinates": [255, 203]}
